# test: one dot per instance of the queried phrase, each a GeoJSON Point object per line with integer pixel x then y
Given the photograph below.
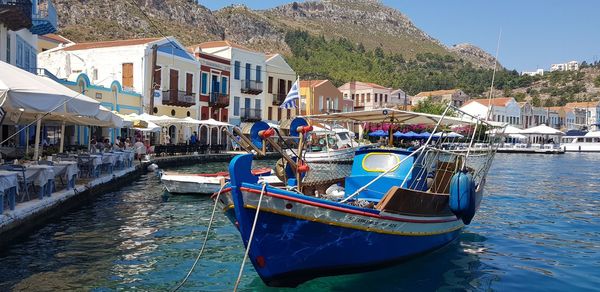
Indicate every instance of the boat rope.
{"type": "Point", "coordinates": [212, 216]}
{"type": "Point", "coordinates": [239, 278]}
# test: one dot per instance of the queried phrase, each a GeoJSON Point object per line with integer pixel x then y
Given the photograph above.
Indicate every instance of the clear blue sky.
{"type": "Point", "coordinates": [535, 33]}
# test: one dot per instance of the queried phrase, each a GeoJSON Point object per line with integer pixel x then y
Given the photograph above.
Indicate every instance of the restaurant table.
{"type": "Point", "coordinates": [41, 176]}
{"type": "Point", "coordinates": [9, 186]}
{"type": "Point", "coordinates": [68, 170]}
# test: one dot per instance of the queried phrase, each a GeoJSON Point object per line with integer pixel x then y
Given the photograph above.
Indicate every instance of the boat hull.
{"type": "Point", "coordinates": [581, 147]}
{"type": "Point", "coordinates": [339, 155]}
{"type": "Point", "coordinates": [190, 184]}
{"type": "Point", "coordinates": [298, 239]}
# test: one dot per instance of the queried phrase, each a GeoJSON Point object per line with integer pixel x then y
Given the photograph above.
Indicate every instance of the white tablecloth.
{"type": "Point", "coordinates": [96, 159]}
{"type": "Point", "coordinates": [38, 174]}
{"type": "Point", "coordinates": [66, 169]}
{"type": "Point", "coordinates": [8, 179]}
{"type": "Point", "coordinates": [109, 158]}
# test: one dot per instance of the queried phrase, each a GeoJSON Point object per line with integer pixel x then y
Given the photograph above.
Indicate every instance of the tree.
{"type": "Point", "coordinates": [597, 81]}
{"type": "Point", "coordinates": [379, 53]}
{"type": "Point", "coordinates": [535, 101]}
{"type": "Point", "coordinates": [429, 107]}
{"type": "Point", "coordinates": [549, 102]}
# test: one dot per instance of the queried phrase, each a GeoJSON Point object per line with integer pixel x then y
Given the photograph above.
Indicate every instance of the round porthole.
{"type": "Point", "coordinates": [189, 114]}
{"type": "Point", "coordinates": [173, 112]}
{"type": "Point", "coordinates": [155, 110]}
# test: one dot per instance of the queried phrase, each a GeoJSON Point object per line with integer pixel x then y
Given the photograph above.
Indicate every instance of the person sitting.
{"type": "Point", "coordinates": [194, 138]}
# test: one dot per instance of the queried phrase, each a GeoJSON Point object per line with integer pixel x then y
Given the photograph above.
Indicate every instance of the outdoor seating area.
{"type": "Point", "coordinates": [164, 150]}
{"type": "Point", "coordinates": [20, 183]}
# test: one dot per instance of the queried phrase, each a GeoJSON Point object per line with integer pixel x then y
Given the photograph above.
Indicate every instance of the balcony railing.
{"type": "Point", "coordinates": [218, 99]}
{"type": "Point", "coordinates": [252, 86]}
{"type": "Point", "coordinates": [176, 97]}
{"type": "Point", "coordinates": [15, 14]}
{"type": "Point", "coordinates": [332, 111]}
{"type": "Point", "coordinates": [250, 114]}
{"type": "Point", "coordinates": [278, 98]}
{"type": "Point", "coordinates": [45, 19]}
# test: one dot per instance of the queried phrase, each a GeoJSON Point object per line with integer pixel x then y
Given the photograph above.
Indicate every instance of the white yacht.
{"type": "Point", "coordinates": [590, 142]}
{"type": "Point", "coordinates": [330, 145]}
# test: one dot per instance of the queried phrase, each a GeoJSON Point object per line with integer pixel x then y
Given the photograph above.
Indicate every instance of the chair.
{"type": "Point", "coordinates": [86, 165]}
{"type": "Point", "coordinates": [24, 183]}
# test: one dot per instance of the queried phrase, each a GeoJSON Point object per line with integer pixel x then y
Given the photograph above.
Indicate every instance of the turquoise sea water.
{"type": "Point", "coordinates": [538, 229]}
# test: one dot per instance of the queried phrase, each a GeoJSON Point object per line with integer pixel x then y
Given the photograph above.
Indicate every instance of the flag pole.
{"type": "Point", "coordinates": [298, 110]}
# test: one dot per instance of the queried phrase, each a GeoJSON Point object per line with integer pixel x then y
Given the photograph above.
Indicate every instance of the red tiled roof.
{"type": "Point", "coordinates": [217, 44]}
{"type": "Point", "coordinates": [436, 92]}
{"type": "Point", "coordinates": [582, 104]}
{"type": "Point", "coordinates": [56, 38]}
{"type": "Point", "coordinates": [500, 101]}
{"type": "Point", "coordinates": [312, 83]}
{"type": "Point", "coordinates": [108, 44]}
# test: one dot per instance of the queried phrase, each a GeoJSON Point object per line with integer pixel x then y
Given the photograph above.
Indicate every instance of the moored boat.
{"type": "Point", "coordinates": [186, 183]}
{"type": "Point", "coordinates": [396, 204]}
{"type": "Point", "coordinates": [590, 142]}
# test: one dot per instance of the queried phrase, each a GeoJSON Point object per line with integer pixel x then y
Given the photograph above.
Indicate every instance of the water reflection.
{"type": "Point", "coordinates": [538, 228]}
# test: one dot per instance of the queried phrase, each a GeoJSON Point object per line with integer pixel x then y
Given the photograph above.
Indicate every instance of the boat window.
{"type": "Point", "coordinates": [588, 140]}
{"type": "Point", "coordinates": [579, 139]}
{"type": "Point", "coordinates": [343, 136]}
{"type": "Point", "coordinates": [380, 162]}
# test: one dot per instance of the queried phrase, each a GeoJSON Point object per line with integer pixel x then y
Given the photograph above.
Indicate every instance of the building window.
{"type": "Point", "coordinates": [258, 73]}
{"type": "Point", "coordinates": [290, 84]}
{"type": "Point", "coordinates": [375, 97]}
{"type": "Point", "coordinates": [236, 70]}
{"type": "Point", "coordinates": [173, 112]}
{"type": "Point", "coordinates": [247, 77]}
{"type": "Point", "coordinates": [204, 83]}
{"type": "Point", "coordinates": [81, 85]}
{"type": "Point", "coordinates": [98, 95]}
{"type": "Point", "coordinates": [7, 48]}
{"type": "Point", "coordinates": [257, 104]}
{"type": "Point", "coordinates": [270, 84]}
{"type": "Point", "coordinates": [155, 110]}
{"type": "Point", "coordinates": [386, 100]}
{"type": "Point", "coordinates": [127, 75]}
{"type": "Point", "coordinates": [157, 77]}
{"type": "Point", "coordinates": [189, 83]}
{"type": "Point", "coordinates": [320, 103]}
{"type": "Point", "coordinates": [236, 105]}
{"type": "Point", "coordinates": [224, 85]}
{"type": "Point", "coordinates": [270, 113]}
{"type": "Point", "coordinates": [188, 113]}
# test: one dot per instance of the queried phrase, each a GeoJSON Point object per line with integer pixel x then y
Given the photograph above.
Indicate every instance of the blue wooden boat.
{"type": "Point", "coordinates": [397, 204]}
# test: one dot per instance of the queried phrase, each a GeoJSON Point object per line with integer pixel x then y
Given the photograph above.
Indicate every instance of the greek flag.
{"type": "Point", "coordinates": [292, 96]}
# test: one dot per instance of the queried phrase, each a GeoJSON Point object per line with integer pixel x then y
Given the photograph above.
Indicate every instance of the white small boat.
{"type": "Point", "coordinates": [186, 183]}
{"type": "Point", "coordinates": [590, 142]}
{"type": "Point", "coordinates": [330, 145]}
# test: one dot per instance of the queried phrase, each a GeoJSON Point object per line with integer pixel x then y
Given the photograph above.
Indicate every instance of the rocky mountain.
{"type": "Point", "coordinates": [474, 55]}
{"type": "Point", "coordinates": [361, 21]}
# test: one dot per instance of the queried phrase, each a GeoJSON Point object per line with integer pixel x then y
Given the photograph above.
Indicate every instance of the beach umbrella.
{"type": "Point", "coordinates": [424, 135]}
{"type": "Point", "coordinates": [378, 133]}
{"type": "Point", "coordinates": [411, 135]}
{"type": "Point", "coordinates": [398, 134]}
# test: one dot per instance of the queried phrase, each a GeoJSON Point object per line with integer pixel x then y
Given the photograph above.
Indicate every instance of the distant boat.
{"type": "Point", "coordinates": [395, 204]}
{"type": "Point", "coordinates": [590, 142]}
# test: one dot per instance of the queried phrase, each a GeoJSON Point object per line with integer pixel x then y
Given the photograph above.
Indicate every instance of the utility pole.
{"type": "Point", "coordinates": [152, 70]}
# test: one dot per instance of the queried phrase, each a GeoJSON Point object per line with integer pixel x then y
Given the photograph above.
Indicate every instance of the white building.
{"type": "Point", "coordinates": [455, 96]}
{"type": "Point", "coordinates": [399, 98]}
{"type": "Point", "coordinates": [504, 109]}
{"type": "Point", "coordinates": [247, 87]}
{"type": "Point", "coordinates": [176, 76]}
{"type": "Point", "coordinates": [367, 96]}
{"type": "Point", "coordinates": [21, 22]}
{"type": "Point", "coordinates": [592, 112]}
{"type": "Point", "coordinates": [537, 72]}
{"type": "Point", "coordinates": [280, 78]}
{"type": "Point", "coordinates": [569, 66]}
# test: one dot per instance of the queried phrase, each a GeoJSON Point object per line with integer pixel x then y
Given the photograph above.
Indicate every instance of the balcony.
{"type": "Point", "coordinates": [45, 19]}
{"type": "Point", "coordinates": [218, 99]}
{"type": "Point", "coordinates": [250, 115]}
{"type": "Point", "coordinates": [176, 97]}
{"type": "Point", "coordinates": [15, 14]}
{"type": "Point", "coordinates": [252, 86]}
{"type": "Point", "coordinates": [278, 98]}
{"type": "Point", "coordinates": [333, 111]}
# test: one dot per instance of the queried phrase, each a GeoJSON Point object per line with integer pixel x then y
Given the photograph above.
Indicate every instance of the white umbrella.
{"type": "Point", "coordinates": [213, 122]}
{"type": "Point", "coordinates": [448, 135]}
{"type": "Point", "coordinates": [542, 130]}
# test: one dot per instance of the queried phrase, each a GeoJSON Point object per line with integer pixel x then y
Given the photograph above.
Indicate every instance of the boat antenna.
{"type": "Point", "coordinates": [493, 77]}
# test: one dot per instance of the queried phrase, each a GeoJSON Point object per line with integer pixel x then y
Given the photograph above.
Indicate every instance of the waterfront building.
{"type": "Point", "coordinates": [247, 87]}
{"type": "Point", "coordinates": [113, 97]}
{"type": "Point", "coordinates": [321, 96]}
{"type": "Point", "coordinates": [366, 95]}
{"type": "Point", "coordinates": [280, 78]}
{"type": "Point", "coordinates": [400, 99]}
{"type": "Point", "coordinates": [538, 72]}
{"type": "Point", "coordinates": [592, 112]}
{"type": "Point", "coordinates": [170, 87]}
{"type": "Point", "coordinates": [569, 66]}
{"type": "Point", "coordinates": [527, 119]}
{"type": "Point", "coordinates": [21, 23]}
{"type": "Point", "coordinates": [504, 110]}
{"type": "Point", "coordinates": [457, 97]}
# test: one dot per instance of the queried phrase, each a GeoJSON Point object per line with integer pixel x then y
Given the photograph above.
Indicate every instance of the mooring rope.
{"type": "Point", "coordinates": [212, 216]}
{"type": "Point", "coordinates": [239, 278]}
